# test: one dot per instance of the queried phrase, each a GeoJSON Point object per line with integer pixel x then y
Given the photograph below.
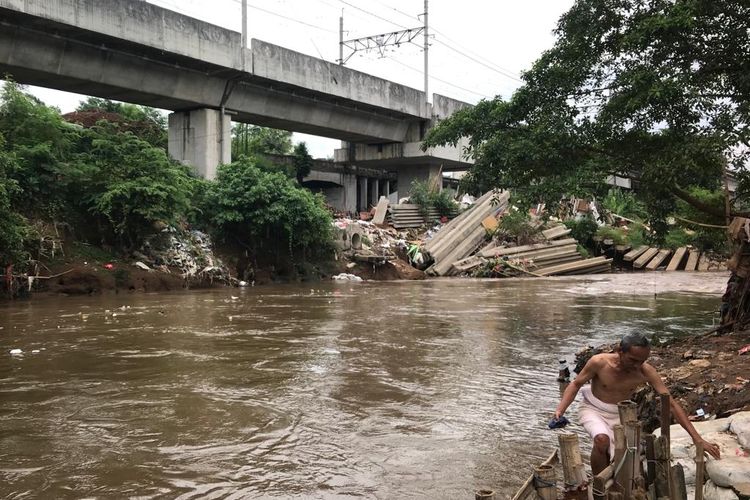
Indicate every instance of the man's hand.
{"type": "Point", "coordinates": [710, 448]}
{"type": "Point", "coordinates": [558, 414]}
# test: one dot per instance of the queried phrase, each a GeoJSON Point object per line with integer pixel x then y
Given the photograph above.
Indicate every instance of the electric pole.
{"type": "Point", "coordinates": [383, 40]}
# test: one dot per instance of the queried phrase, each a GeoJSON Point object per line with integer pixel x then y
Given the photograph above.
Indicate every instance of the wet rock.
{"type": "Point", "coordinates": [729, 471]}
{"type": "Point", "coordinates": [713, 492]}
{"type": "Point", "coordinates": [740, 426]}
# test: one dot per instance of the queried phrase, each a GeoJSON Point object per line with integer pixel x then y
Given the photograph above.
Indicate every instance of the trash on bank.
{"type": "Point", "coordinates": [346, 277]}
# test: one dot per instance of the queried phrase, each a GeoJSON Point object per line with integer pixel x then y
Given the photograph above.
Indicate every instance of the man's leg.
{"type": "Point", "coordinates": [600, 453]}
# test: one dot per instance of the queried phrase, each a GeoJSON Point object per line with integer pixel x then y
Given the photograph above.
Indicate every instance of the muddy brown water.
{"type": "Point", "coordinates": [336, 390]}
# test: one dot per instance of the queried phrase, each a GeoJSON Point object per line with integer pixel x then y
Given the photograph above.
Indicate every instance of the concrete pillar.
{"type": "Point", "coordinates": [375, 192]}
{"type": "Point", "coordinates": [408, 174]}
{"type": "Point", "coordinates": [363, 200]}
{"type": "Point", "coordinates": [349, 181]}
{"type": "Point", "coordinates": [200, 138]}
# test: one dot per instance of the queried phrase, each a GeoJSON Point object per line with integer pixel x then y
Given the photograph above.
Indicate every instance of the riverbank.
{"type": "Point", "coordinates": [707, 373]}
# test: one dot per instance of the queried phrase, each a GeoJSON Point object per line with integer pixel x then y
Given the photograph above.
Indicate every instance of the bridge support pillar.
{"type": "Point", "coordinates": [200, 138]}
{"type": "Point", "coordinates": [406, 175]}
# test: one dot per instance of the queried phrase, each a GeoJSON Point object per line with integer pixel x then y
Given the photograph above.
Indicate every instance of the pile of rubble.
{"type": "Point", "coordinates": [190, 252]}
{"type": "Point", "coordinates": [460, 247]}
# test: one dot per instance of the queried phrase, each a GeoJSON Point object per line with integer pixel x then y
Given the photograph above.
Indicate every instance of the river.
{"type": "Point", "coordinates": [324, 391]}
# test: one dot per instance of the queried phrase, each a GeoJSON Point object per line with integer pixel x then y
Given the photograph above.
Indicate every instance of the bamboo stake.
{"type": "Point", "coordinates": [650, 458]}
{"type": "Point", "coordinates": [666, 451]}
{"type": "Point", "coordinates": [545, 483]}
{"type": "Point", "coordinates": [699, 464]}
{"type": "Point", "coordinates": [628, 411]}
{"type": "Point", "coordinates": [661, 449]}
{"type": "Point", "coordinates": [574, 474]}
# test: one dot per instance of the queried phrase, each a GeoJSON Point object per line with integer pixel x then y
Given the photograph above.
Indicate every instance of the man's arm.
{"type": "Point", "coordinates": [590, 369]}
{"type": "Point", "coordinates": [657, 383]}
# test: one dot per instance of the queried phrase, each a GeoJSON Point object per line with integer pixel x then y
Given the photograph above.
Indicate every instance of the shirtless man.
{"type": "Point", "coordinates": [614, 377]}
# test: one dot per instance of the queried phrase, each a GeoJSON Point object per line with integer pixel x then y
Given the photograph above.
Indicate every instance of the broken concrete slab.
{"type": "Point", "coordinates": [634, 254]}
{"type": "Point", "coordinates": [677, 258]}
{"type": "Point", "coordinates": [646, 256]}
{"type": "Point", "coordinates": [658, 259]}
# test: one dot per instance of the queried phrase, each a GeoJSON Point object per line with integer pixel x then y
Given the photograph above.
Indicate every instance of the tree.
{"type": "Point", "coordinates": [147, 123]}
{"type": "Point", "coordinates": [265, 211]}
{"type": "Point", "coordinates": [250, 140]}
{"type": "Point", "coordinates": [303, 162]}
{"type": "Point", "coordinates": [13, 227]}
{"type": "Point", "coordinates": [655, 90]}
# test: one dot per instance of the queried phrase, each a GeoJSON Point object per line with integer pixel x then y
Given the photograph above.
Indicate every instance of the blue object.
{"type": "Point", "coordinates": [558, 423]}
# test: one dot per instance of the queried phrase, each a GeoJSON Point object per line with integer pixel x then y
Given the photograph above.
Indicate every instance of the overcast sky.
{"type": "Point", "coordinates": [478, 48]}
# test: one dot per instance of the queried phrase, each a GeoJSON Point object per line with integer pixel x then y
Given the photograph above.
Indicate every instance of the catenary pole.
{"type": "Point", "coordinates": [426, 58]}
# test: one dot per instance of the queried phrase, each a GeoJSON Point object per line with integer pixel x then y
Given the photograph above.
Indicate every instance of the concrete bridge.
{"type": "Point", "coordinates": [132, 51]}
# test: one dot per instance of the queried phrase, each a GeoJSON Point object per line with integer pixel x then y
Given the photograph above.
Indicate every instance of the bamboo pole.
{"type": "Point", "coordinates": [650, 459]}
{"type": "Point", "coordinates": [545, 483]}
{"type": "Point", "coordinates": [574, 474]}
{"type": "Point", "coordinates": [661, 449]}
{"type": "Point", "coordinates": [624, 476]}
{"type": "Point", "coordinates": [628, 411]}
{"type": "Point", "coordinates": [529, 486]}
{"type": "Point", "coordinates": [699, 464]}
{"type": "Point", "coordinates": [620, 443]}
{"type": "Point", "coordinates": [666, 448]}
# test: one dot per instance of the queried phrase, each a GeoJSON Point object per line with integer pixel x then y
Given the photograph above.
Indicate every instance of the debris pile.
{"type": "Point", "coordinates": [191, 252]}
{"type": "Point", "coordinates": [455, 249]}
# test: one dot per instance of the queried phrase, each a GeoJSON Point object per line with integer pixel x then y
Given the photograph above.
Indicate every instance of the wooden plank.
{"type": "Point", "coordinates": [572, 266]}
{"type": "Point", "coordinates": [645, 257]}
{"type": "Point", "coordinates": [692, 262]}
{"type": "Point", "coordinates": [677, 259]}
{"type": "Point", "coordinates": [448, 228]}
{"type": "Point", "coordinates": [703, 263]}
{"type": "Point", "coordinates": [556, 232]}
{"type": "Point", "coordinates": [660, 257]}
{"type": "Point", "coordinates": [532, 254]}
{"type": "Point", "coordinates": [497, 252]}
{"type": "Point", "coordinates": [634, 254]}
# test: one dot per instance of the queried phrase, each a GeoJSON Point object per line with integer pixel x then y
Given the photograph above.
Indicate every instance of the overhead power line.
{"type": "Point", "coordinates": [261, 9]}
{"type": "Point", "coordinates": [373, 15]}
{"type": "Point", "coordinates": [440, 80]}
{"type": "Point", "coordinates": [503, 73]}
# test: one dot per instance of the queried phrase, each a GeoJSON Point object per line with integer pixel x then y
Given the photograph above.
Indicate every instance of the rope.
{"type": "Point", "coordinates": [542, 483]}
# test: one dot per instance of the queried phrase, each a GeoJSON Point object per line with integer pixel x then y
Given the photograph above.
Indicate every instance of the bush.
{"type": "Point", "coordinates": [678, 237]}
{"type": "Point", "coordinates": [615, 234]}
{"type": "Point", "coordinates": [583, 230]}
{"type": "Point", "coordinates": [443, 202]}
{"type": "Point", "coordinates": [623, 203]}
{"type": "Point", "coordinates": [13, 228]}
{"type": "Point", "coordinates": [516, 225]}
{"type": "Point", "coordinates": [266, 212]}
{"type": "Point", "coordinates": [420, 196]}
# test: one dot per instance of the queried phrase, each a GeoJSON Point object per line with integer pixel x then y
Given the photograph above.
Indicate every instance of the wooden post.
{"type": "Point", "coordinates": [574, 474]}
{"type": "Point", "coordinates": [624, 477]}
{"type": "Point", "coordinates": [662, 481]}
{"type": "Point", "coordinates": [650, 458]}
{"type": "Point", "coordinates": [615, 495]}
{"type": "Point", "coordinates": [679, 488]}
{"type": "Point", "coordinates": [484, 495]}
{"type": "Point", "coordinates": [628, 411]}
{"type": "Point", "coordinates": [545, 482]}
{"type": "Point", "coordinates": [699, 471]}
{"type": "Point", "coordinates": [620, 443]}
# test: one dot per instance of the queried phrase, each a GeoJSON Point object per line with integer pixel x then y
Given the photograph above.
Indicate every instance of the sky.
{"type": "Point", "coordinates": [477, 48]}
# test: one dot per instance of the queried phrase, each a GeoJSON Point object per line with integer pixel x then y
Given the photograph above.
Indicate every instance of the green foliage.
{"type": "Point", "coordinates": [13, 228]}
{"type": "Point", "coordinates": [653, 90]}
{"type": "Point", "coordinates": [425, 198]}
{"type": "Point", "coordinates": [443, 202]}
{"type": "Point", "coordinates": [419, 195]}
{"type": "Point", "coordinates": [583, 251]}
{"type": "Point", "coordinates": [516, 226]}
{"type": "Point", "coordinates": [616, 234]}
{"type": "Point", "coordinates": [583, 230]}
{"type": "Point", "coordinates": [678, 237]}
{"type": "Point", "coordinates": [705, 238]}
{"type": "Point", "coordinates": [266, 212]}
{"type": "Point", "coordinates": [146, 123]}
{"type": "Point", "coordinates": [130, 185]}
{"type": "Point", "coordinates": [636, 235]}
{"type": "Point", "coordinates": [251, 140]}
{"type": "Point", "coordinates": [624, 203]}
{"type": "Point", "coordinates": [302, 161]}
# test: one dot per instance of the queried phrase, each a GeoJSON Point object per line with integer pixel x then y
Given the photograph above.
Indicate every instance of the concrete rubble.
{"type": "Point", "coordinates": [191, 252]}
{"type": "Point", "coordinates": [460, 246]}
{"type": "Point", "coordinates": [728, 478]}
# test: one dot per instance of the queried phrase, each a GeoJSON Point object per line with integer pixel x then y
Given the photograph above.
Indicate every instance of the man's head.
{"type": "Point", "coordinates": [634, 350]}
